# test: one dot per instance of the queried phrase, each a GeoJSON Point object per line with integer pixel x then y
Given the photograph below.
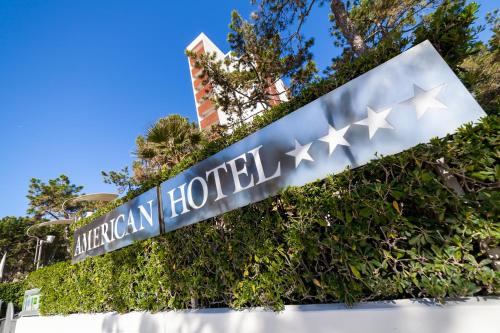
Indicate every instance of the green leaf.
{"type": "Point", "coordinates": [355, 271]}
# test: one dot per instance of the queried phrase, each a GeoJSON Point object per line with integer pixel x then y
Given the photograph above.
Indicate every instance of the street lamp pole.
{"type": "Point", "coordinates": [39, 254]}
{"type": "Point", "coordinates": [2, 265]}
{"type": "Point", "coordinates": [48, 239]}
{"type": "Point", "coordinates": [36, 251]}
{"type": "Point", "coordinates": [105, 197]}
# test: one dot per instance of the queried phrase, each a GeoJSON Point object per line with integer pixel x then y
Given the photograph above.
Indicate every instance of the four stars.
{"type": "Point", "coordinates": [422, 101]}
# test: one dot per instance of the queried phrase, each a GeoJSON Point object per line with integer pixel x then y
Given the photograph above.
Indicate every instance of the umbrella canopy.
{"type": "Point", "coordinates": [53, 222]}
{"type": "Point", "coordinates": [96, 197]}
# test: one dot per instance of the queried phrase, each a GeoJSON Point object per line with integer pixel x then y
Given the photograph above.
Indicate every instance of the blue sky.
{"type": "Point", "coordinates": [79, 80]}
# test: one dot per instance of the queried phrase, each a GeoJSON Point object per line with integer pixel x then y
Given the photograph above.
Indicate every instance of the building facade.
{"type": "Point", "coordinates": [206, 111]}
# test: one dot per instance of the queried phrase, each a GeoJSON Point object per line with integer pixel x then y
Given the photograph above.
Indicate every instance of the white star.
{"type": "Point", "coordinates": [335, 138]}
{"type": "Point", "coordinates": [376, 120]}
{"type": "Point", "coordinates": [423, 100]}
{"type": "Point", "coordinates": [300, 153]}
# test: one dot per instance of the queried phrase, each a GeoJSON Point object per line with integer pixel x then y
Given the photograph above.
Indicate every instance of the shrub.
{"type": "Point", "coordinates": [12, 292]}
{"type": "Point", "coordinates": [389, 229]}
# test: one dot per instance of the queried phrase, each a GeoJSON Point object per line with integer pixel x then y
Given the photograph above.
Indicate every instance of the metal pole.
{"type": "Point", "coordinates": [36, 251]}
{"type": "Point", "coordinates": [39, 255]}
{"type": "Point", "coordinates": [2, 265]}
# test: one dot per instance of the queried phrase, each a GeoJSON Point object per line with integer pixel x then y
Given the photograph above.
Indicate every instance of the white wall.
{"type": "Point", "coordinates": [408, 316]}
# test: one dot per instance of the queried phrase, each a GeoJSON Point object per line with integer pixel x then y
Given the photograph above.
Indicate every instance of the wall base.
{"type": "Point", "coordinates": [408, 316]}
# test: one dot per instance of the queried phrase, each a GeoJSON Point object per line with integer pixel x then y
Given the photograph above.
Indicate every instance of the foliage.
{"type": "Point", "coordinates": [46, 199]}
{"type": "Point", "coordinates": [481, 71]}
{"type": "Point", "coordinates": [166, 143]}
{"type": "Point", "coordinates": [389, 229]}
{"type": "Point", "coordinates": [52, 200]}
{"type": "Point", "coordinates": [12, 292]}
{"type": "Point", "coordinates": [259, 58]}
{"type": "Point", "coordinates": [390, 29]}
{"type": "Point", "coordinates": [19, 247]}
{"type": "Point", "coordinates": [121, 179]}
{"type": "Point", "coordinates": [376, 22]}
{"type": "Point", "coordinates": [451, 30]}
{"type": "Point", "coordinates": [271, 46]}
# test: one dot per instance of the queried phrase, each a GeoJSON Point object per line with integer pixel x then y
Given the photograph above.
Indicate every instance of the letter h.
{"type": "Point", "coordinates": [182, 199]}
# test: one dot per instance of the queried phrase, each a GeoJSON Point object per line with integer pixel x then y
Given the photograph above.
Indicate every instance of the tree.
{"type": "Point", "coordinates": [357, 26]}
{"type": "Point", "coordinates": [374, 22]}
{"type": "Point", "coordinates": [121, 179]}
{"type": "Point", "coordinates": [272, 46]}
{"type": "Point", "coordinates": [259, 58]}
{"type": "Point", "coordinates": [166, 143]}
{"type": "Point", "coordinates": [347, 27]}
{"type": "Point", "coordinates": [451, 30]}
{"type": "Point", "coordinates": [481, 71]}
{"type": "Point", "coordinates": [20, 249]}
{"type": "Point", "coordinates": [390, 27]}
{"type": "Point", "coordinates": [46, 199]}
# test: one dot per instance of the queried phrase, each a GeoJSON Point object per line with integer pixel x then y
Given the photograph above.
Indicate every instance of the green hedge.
{"type": "Point", "coordinates": [12, 292]}
{"type": "Point", "coordinates": [390, 229]}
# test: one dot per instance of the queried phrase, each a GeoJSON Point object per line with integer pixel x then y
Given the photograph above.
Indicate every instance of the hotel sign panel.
{"type": "Point", "coordinates": [399, 104]}
{"type": "Point", "coordinates": [133, 221]}
{"type": "Point", "coordinates": [404, 102]}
